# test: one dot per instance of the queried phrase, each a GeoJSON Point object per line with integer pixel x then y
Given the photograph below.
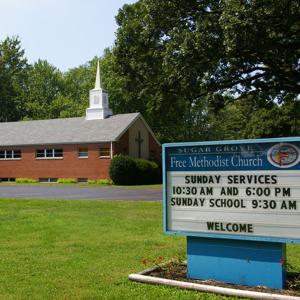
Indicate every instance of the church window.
{"type": "Point", "coordinates": [58, 153]}
{"type": "Point", "coordinates": [49, 153]}
{"type": "Point", "coordinates": [82, 180]}
{"type": "Point", "coordinates": [83, 153]}
{"type": "Point", "coordinates": [40, 153]}
{"type": "Point", "coordinates": [17, 154]}
{"type": "Point", "coordinates": [47, 179]}
{"type": "Point", "coordinates": [104, 152]}
{"type": "Point", "coordinates": [10, 154]}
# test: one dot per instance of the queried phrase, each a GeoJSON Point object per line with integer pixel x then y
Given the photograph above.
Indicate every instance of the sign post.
{"type": "Point", "coordinates": [238, 203]}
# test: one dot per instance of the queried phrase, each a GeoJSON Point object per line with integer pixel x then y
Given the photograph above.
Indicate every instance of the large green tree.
{"type": "Point", "coordinates": [262, 48]}
{"type": "Point", "coordinates": [177, 59]}
{"type": "Point", "coordinates": [13, 80]}
{"type": "Point", "coordinates": [45, 83]}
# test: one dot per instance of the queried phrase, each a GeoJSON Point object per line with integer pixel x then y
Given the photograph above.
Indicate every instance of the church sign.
{"type": "Point", "coordinates": [247, 191]}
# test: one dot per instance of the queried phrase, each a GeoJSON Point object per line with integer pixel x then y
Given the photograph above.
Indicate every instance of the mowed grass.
{"type": "Point", "coordinates": [86, 249]}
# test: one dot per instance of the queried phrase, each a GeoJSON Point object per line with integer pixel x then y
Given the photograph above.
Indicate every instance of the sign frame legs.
{"type": "Point", "coordinates": [241, 262]}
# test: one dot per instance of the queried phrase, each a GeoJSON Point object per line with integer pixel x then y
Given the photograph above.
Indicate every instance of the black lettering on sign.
{"type": "Point", "coordinates": [202, 179]}
{"type": "Point", "coordinates": [230, 191]}
{"type": "Point", "coordinates": [289, 205]}
{"type": "Point", "coordinates": [282, 192]}
{"type": "Point", "coordinates": [205, 191]}
{"type": "Point", "coordinates": [252, 179]}
{"type": "Point", "coordinates": [187, 201]}
{"type": "Point", "coordinates": [230, 227]}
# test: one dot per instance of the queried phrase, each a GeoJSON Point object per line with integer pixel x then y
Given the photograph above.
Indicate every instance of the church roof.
{"type": "Point", "coordinates": [65, 131]}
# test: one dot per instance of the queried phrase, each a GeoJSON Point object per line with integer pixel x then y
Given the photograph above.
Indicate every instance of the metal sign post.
{"type": "Point", "coordinates": [238, 203]}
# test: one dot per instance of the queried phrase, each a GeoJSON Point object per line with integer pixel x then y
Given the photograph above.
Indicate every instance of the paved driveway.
{"type": "Point", "coordinates": [79, 192]}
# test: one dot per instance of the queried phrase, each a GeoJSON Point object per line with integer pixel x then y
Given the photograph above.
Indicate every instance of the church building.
{"type": "Point", "coordinates": [79, 148]}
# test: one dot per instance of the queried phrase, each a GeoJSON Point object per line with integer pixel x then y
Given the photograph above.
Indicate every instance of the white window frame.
{"type": "Point", "coordinates": [83, 156]}
{"type": "Point", "coordinates": [12, 155]}
{"type": "Point", "coordinates": [105, 156]}
{"type": "Point", "coordinates": [46, 153]}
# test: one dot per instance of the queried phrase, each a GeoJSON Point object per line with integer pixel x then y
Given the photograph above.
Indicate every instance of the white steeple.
{"type": "Point", "coordinates": [98, 78]}
{"type": "Point", "coordinates": [99, 108]}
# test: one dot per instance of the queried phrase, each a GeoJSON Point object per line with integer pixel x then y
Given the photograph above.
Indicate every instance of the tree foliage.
{"type": "Point", "coordinates": [45, 84]}
{"type": "Point", "coordinates": [196, 70]}
{"type": "Point", "coordinates": [177, 58]}
{"type": "Point", "coordinates": [13, 79]}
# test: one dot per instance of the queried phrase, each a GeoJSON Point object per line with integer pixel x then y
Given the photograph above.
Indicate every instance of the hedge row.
{"type": "Point", "coordinates": [125, 170]}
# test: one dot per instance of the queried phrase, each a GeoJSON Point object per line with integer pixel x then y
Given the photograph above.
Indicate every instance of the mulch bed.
{"type": "Point", "coordinates": [178, 271]}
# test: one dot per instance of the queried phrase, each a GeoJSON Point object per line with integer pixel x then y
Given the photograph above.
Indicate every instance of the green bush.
{"type": "Point", "coordinates": [103, 181]}
{"type": "Point", "coordinates": [66, 180]}
{"type": "Point", "coordinates": [26, 180]}
{"type": "Point", "coordinates": [123, 170]}
{"type": "Point", "coordinates": [100, 181]}
{"type": "Point", "coordinates": [148, 171]}
{"type": "Point", "coordinates": [91, 181]}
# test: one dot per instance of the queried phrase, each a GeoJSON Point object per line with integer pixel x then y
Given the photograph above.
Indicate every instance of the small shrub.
{"type": "Point", "coordinates": [123, 170]}
{"type": "Point", "coordinates": [104, 181]}
{"type": "Point", "coordinates": [66, 180]}
{"type": "Point", "coordinates": [148, 171]}
{"type": "Point", "coordinates": [100, 181]}
{"type": "Point", "coordinates": [26, 180]}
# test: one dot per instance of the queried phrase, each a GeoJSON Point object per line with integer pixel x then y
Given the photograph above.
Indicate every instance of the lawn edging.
{"type": "Point", "coordinates": [143, 277]}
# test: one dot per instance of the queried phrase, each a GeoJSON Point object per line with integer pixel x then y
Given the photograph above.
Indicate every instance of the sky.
{"type": "Point", "coordinates": [67, 33]}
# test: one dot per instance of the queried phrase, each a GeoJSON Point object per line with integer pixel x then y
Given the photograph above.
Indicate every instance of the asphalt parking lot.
{"type": "Point", "coordinates": [79, 193]}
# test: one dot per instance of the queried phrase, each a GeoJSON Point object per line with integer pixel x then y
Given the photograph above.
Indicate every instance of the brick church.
{"type": "Point", "coordinates": [79, 148]}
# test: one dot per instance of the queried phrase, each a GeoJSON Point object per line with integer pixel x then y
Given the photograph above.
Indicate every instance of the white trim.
{"type": "Point", "coordinates": [50, 158]}
{"type": "Point", "coordinates": [12, 154]}
{"type": "Point", "coordinates": [111, 150]}
{"type": "Point", "coordinates": [11, 158]}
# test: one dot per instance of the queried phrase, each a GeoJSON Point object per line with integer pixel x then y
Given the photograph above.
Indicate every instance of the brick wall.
{"type": "Point", "coordinates": [70, 166]}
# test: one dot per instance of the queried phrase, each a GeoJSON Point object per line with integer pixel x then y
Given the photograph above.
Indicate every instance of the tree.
{"type": "Point", "coordinates": [261, 41]}
{"type": "Point", "coordinates": [45, 83]}
{"type": "Point", "coordinates": [13, 80]}
{"type": "Point", "coordinates": [174, 56]}
{"type": "Point", "coordinates": [278, 121]}
{"type": "Point", "coordinates": [78, 81]}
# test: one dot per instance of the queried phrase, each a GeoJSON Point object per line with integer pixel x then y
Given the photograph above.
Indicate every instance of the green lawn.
{"type": "Point", "coordinates": [86, 249]}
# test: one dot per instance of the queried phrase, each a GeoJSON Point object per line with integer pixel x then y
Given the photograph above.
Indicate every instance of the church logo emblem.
{"type": "Point", "coordinates": [283, 155]}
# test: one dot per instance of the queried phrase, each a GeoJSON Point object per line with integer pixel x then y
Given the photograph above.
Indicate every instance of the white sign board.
{"type": "Point", "coordinates": [241, 189]}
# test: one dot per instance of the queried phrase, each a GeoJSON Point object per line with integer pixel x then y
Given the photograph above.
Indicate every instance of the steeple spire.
{"type": "Point", "coordinates": [98, 78]}
{"type": "Point", "coordinates": [99, 106]}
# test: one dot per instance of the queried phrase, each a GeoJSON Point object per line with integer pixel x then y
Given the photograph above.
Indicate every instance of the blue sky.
{"type": "Point", "coordinates": [67, 33]}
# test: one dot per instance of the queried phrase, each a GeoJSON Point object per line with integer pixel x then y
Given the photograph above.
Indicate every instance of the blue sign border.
{"type": "Point", "coordinates": [217, 235]}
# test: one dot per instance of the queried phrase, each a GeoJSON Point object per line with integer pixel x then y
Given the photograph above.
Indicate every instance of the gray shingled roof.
{"type": "Point", "coordinates": [65, 131]}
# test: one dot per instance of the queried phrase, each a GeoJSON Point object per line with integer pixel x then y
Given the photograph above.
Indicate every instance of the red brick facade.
{"type": "Point", "coordinates": [70, 166]}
